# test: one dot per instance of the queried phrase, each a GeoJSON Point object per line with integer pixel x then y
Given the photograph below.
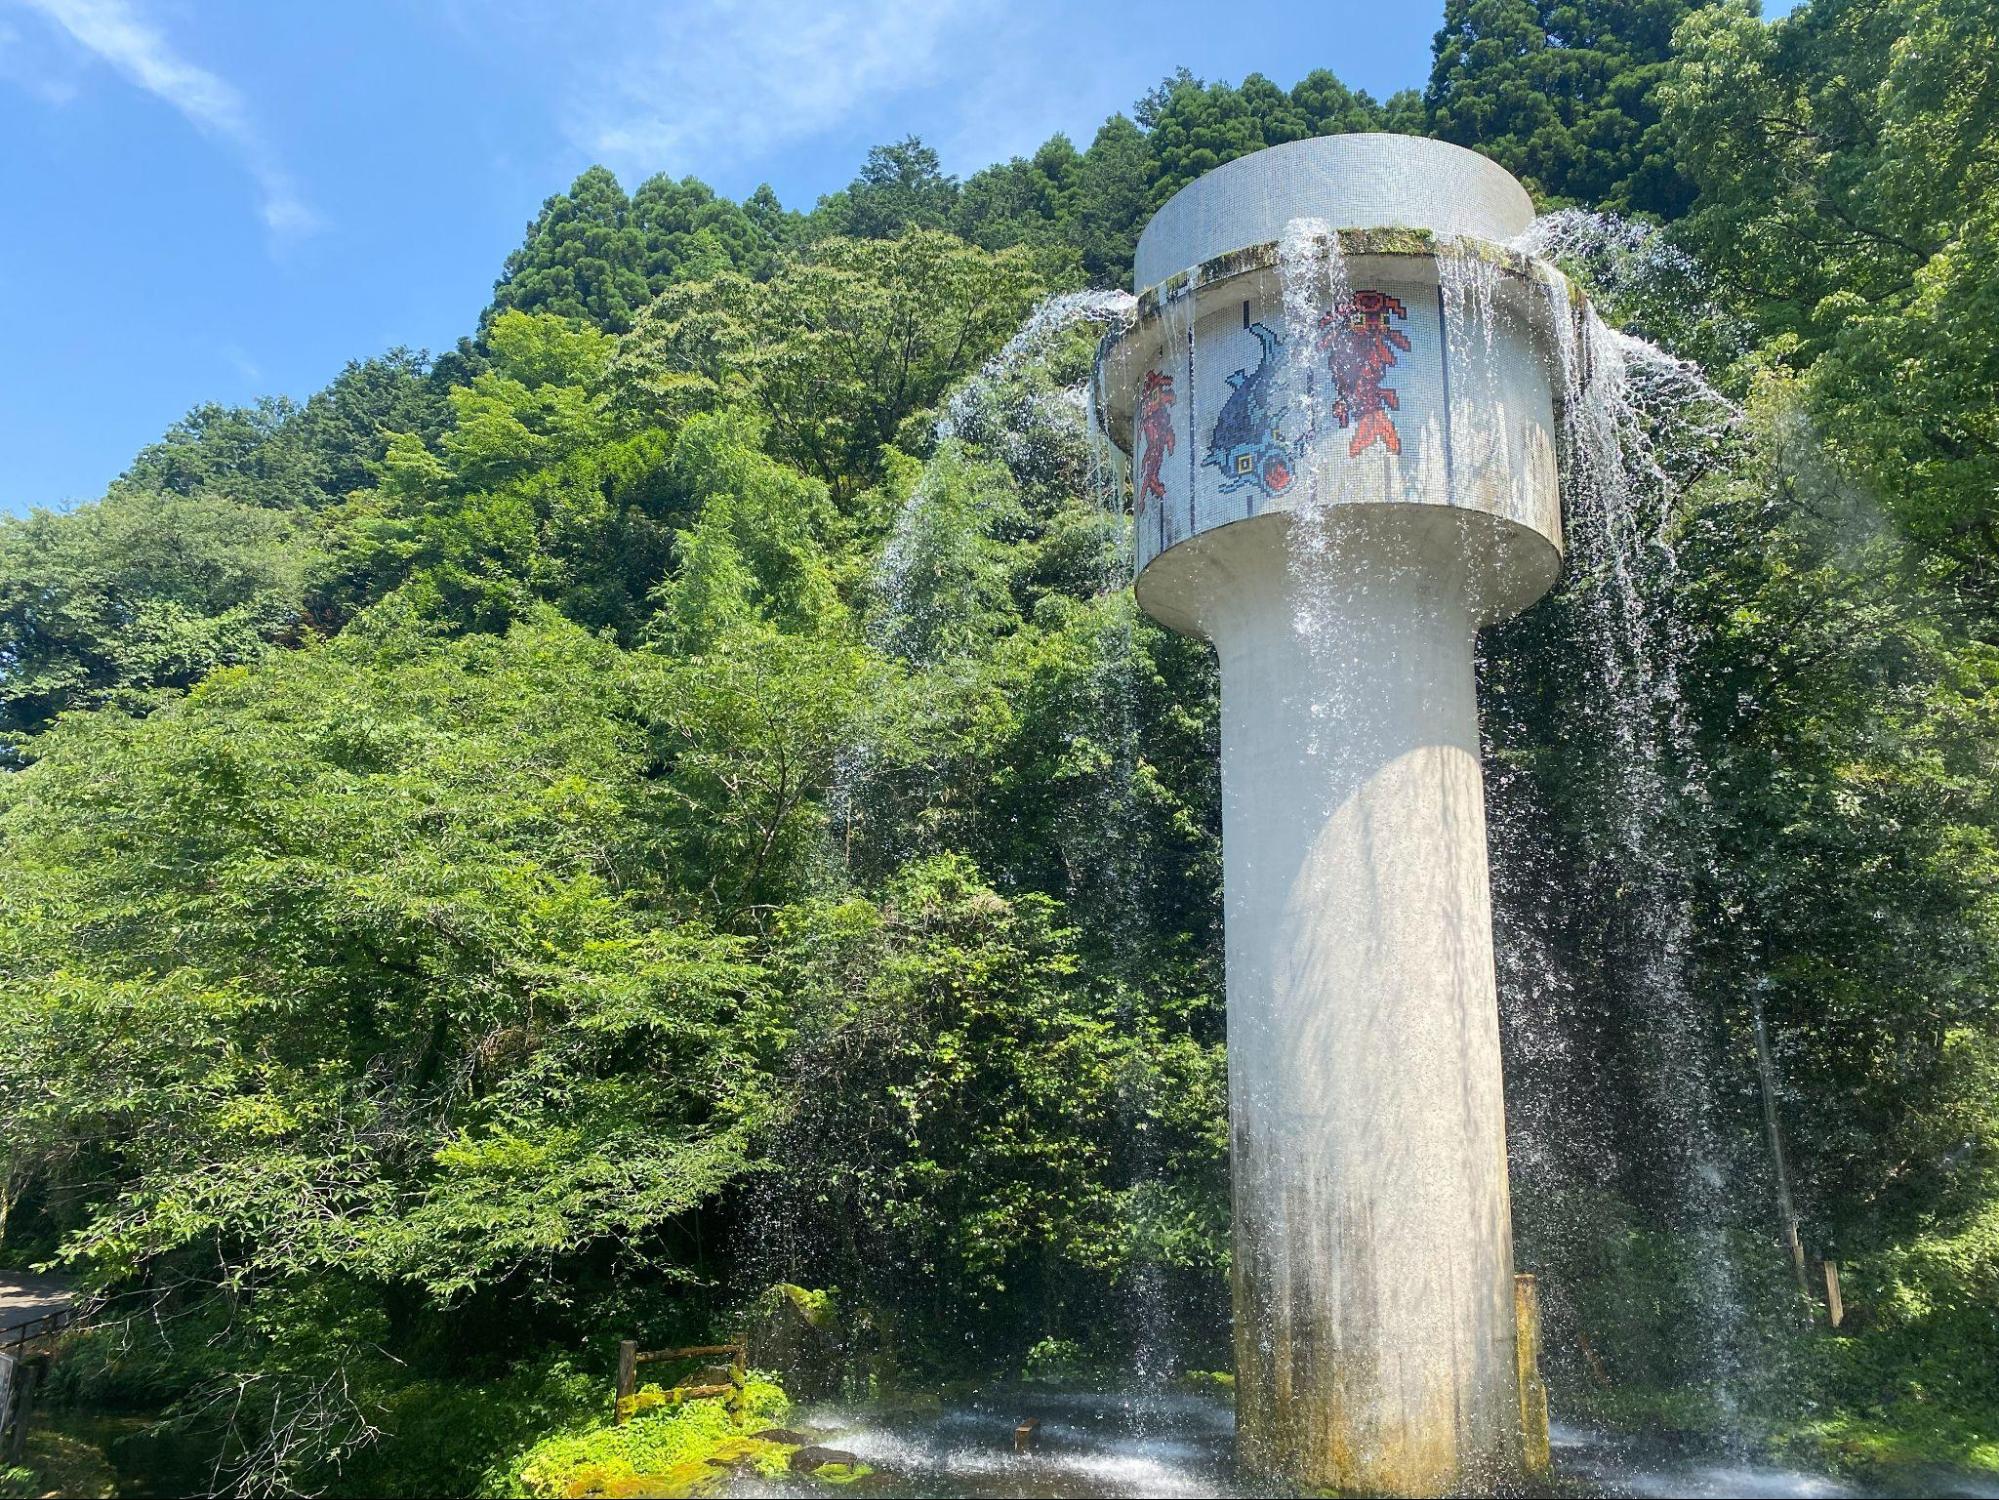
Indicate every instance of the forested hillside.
{"type": "Point", "coordinates": [533, 844]}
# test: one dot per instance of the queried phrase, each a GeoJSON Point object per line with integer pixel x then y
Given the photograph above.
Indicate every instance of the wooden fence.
{"type": "Point", "coordinates": [630, 1357]}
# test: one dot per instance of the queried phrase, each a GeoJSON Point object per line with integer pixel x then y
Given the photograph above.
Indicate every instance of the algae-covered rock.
{"type": "Point", "coordinates": [841, 1473]}
{"type": "Point", "coordinates": [798, 1334]}
{"type": "Point", "coordinates": [790, 1437]}
{"type": "Point", "coordinates": [805, 1460]}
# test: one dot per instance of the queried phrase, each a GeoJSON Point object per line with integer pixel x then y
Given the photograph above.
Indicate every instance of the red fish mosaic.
{"type": "Point", "coordinates": [1360, 339]}
{"type": "Point", "coordinates": [1155, 428]}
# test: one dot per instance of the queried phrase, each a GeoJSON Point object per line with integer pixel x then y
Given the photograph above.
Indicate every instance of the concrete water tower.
{"type": "Point", "coordinates": [1339, 398]}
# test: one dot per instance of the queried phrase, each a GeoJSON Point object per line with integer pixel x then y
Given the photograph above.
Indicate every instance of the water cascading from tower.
{"type": "Point", "coordinates": [1638, 423]}
{"type": "Point", "coordinates": [1322, 537]}
{"type": "Point", "coordinates": [1328, 364]}
{"type": "Point", "coordinates": [1626, 667]}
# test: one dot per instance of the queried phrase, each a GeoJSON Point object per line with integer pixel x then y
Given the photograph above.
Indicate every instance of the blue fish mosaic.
{"type": "Point", "coordinates": [1248, 443]}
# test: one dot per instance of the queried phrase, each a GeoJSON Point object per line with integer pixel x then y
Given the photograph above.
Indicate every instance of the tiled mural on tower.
{"type": "Point", "coordinates": [1359, 340]}
{"type": "Point", "coordinates": [1249, 443]}
{"type": "Point", "coordinates": [1156, 437]}
{"type": "Point", "coordinates": [1353, 406]}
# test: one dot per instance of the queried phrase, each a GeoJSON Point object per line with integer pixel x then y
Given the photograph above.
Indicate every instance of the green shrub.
{"type": "Point", "coordinates": [57, 1463]}
{"type": "Point", "coordinates": [1917, 1379]}
{"type": "Point", "coordinates": [664, 1447]}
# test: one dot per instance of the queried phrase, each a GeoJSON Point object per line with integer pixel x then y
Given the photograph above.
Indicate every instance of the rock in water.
{"type": "Point", "coordinates": [805, 1460]}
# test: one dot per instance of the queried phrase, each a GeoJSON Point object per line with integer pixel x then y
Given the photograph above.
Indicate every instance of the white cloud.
{"type": "Point", "coordinates": [688, 87]}
{"type": "Point", "coordinates": [119, 34]}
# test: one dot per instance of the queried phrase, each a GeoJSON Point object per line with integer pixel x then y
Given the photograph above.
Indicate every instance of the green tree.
{"type": "Point", "coordinates": [837, 350]}
{"type": "Point", "coordinates": [756, 551]}
{"type": "Point", "coordinates": [1113, 192]}
{"type": "Point", "coordinates": [1194, 127]}
{"type": "Point", "coordinates": [583, 257]}
{"type": "Point", "coordinates": [1566, 96]}
{"type": "Point", "coordinates": [247, 453]}
{"type": "Point", "coordinates": [1848, 180]}
{"type": "Point", "coordinates": [1008, 1096]}
{"type": "Point", "coordinates": [348, 1010]}
{"type": "Point", "coordinates": [691, 233]}
{"type": "Point", "coordinates": [535, 491]}
{"type": "Point", "coordinates": [1025, 201]}
{"type": "Point", "coordinates": [1850, 733]}
{"type": "Point", "coordinates": [138, 595]}
{"type": "Point", "coordinates": [749, 733]}
{"type": "Point", "coordinates": [540, 401]}
{"type": "Point", "coordinates": [342, 432]}
{"type": "Point", "coordinates": [900, 187]}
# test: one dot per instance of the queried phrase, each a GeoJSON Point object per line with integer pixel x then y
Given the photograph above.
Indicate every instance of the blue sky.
{"type": "Point", "coordinates": [213, 200]}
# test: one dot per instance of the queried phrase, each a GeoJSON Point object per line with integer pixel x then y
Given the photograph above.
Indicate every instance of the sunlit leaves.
{"type": "Point", "coordinates": [835, 350]}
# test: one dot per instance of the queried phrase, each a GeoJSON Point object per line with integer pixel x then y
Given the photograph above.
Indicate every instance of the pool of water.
{"type": "Point", "coordinates": [1171, 1445]}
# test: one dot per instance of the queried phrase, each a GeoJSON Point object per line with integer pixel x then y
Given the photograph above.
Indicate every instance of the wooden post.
{"type": "Point", "coordinates": [27, 1376]}
{"type": "Point", "coordinates": [1835, 1307]}
{"type": "Point", "coordinates": [1535, 1454]}
{"type": "Point", "coordinates": [628, 1378]}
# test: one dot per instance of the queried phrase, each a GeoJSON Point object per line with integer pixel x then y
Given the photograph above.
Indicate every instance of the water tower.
{"type": "Point", "coordinates": [1339, 397]}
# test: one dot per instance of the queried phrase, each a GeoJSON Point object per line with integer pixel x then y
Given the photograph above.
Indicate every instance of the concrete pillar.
{"type": "Point", "coordinates": [1340, 549]}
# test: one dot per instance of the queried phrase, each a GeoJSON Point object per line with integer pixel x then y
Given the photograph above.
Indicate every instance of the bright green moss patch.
{"type": "Point", "coordinates": [666, 1448]}
{"type": "Point", "coordinates": [819, 1310]}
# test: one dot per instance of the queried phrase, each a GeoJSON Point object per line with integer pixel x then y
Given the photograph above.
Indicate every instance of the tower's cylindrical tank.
{"type": "Point", "coordinates": [1340, 405]}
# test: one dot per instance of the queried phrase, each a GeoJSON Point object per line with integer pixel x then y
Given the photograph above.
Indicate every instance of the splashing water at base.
{"type": "Point", "coordinates": [1165, 1444]}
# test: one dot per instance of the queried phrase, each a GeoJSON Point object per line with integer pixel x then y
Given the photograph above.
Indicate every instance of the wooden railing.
{"type": "Point", "coordinates": [630, 1357]}
{"type": "Point", "coordinates": [25, 1367]}
{"type": "Point", "coordinates": [14, 1340]}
